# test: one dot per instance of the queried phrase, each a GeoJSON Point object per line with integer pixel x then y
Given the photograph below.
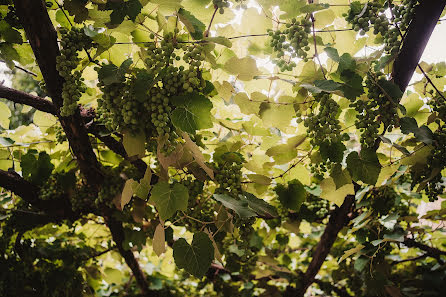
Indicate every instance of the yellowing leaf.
{"type": "Point", "coordinates": [5, 114]}
{"type": "Point", "coordinates": [127, 192]}
{"type": "Point", "coordinates": [217, 254]}
{"type": "Point", "coordinates": [135, 145]}
{"type": "Point", "coordinates": [245, 68]}
{"type": "Point", "coordinates": [330, 193]}
{"type": "Point", "coordinates": [350, 252]}
{"type": "Point", "coordinates": [43, 120]}
{"type": "Point", "coordinates": [196, 153]}
{"type": "Point", "coordinates": [274, 115]}
{"type": "Point", "coordinates": [159, 240]}
{"type": "Point", "coordinates": [245, 104]}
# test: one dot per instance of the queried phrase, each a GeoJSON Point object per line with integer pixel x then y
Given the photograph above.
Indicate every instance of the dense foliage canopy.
{"type": "Point", "coordinates": [221, 148]}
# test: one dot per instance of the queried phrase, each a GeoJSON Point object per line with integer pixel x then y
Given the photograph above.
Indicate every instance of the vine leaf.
{"type": "Point", "coordinates": [240, 206]}
{"type": "Point", "coordinates": [245, 68]}
{"type": "Point", "coordinates": [319, 86]}
{"type": "Point", "coordinates": [340, 177]}
{"type": "Point", "coordinates": [217, 254]}
{"type": "Point", "coordinates": [193, 25]}
{"type": "Point", "coordinates": [197, 155]}
{"type": "Point", "coordinates": [261, 207]}
{"type": "Point", "coordinates": [36, 168]}
{"type": "Point", "coordinates": [423, 133]}
{"type": "Point", "coordinates": [159, 240]}
{"type": "Point", "coordinates": [6, 113]}
{"type": "Point", "coordinates": [193, 112]}
{"type": "Point", "coordinates": [195, 258]}
{"type": "Point", "coordinates": [134, 145]}
{"type": "Point", "coordinates": [337, 196]}
{"type": "Point", "coordinates": [350, 252]}
{"type": "Point", "coordinates": [169, 199]}
{"type": "Point", "coordinates": [127, 192]}
{"type": "Point", "coordinates": [292, 195]}
{"type": "Point", "coordinates": [332, 150]}
{"type": "Point", "coordinates": [220, 40]}
{"type": "Point", "coordinates": [364, 167]}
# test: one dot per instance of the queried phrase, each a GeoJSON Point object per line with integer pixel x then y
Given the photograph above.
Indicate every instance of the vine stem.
{"type": "Point", "coordinates": [316, 55]}
{"type": "Point", "coordinates": [210, 23]}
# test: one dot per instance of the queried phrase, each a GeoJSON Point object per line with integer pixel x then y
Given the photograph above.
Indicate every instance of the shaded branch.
{"type": "Point", "coordinates": [410, 259]}
{"type": "Point", "coordinates": [27, 99]}
{"type": "Point", "coordinates": [430, 251]}
{"type": "Point", "coordinates": [117, 232]}
{"type": "Point", "coordinates": [338, 219]}
{"type": "Point", "coordinates": [54, 209]}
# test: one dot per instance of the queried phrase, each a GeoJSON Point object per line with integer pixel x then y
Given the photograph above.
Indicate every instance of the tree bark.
{"type": "Point", "coordinates": [43, 40]}
{"type": "Point", "coordinates": [118, 236]}
{"type": "Point", "coordinates": [420, 30]}
{"type": "Point", "coordinates": [27, 99]}
{"type": "Point", "coordinates": [338, 219]}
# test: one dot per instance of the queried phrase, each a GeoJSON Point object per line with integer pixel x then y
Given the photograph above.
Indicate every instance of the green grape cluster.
{"type": "Point", "coordinates": [61, 137]}
{"type": "Point", "coordinates": [110, 106]}
{"type": "Point", "coordinates": [82, 198]}
{"type": "Point", "coordinates": [438, 104]}
{"type": "Point", "coordinates": [229, 178]}
{"type": "Point", "coordinates": [72, 41]}
{"type": "Point", "coordinates": [381, 199]}
{"type": "Point", "coordinates": [221, 5]}
{"type": "Point", "coordinates": [201, 212]}
{"type": "Point", "coordinates": [293, 40]}
{"type": "Point", "coordinates": [51, 189]}
{"type": "Point", "coordinates": [194, 186]}
{"type": "Point", "coordinates": [314, 209]}
{"type": "Point", "coordinates": [436, 163]}
{"type": "Point", "coordinates": [11, 17]}
{"type": "Point", "coordinates": [378, 109]}
{"type": "Point", "coordinates": [324, 125]}
{"type": "Point", "coordinates": [404, 13]}
{"type": "Point", "coordinates": [324, 128]}
{"type": "Point", "coordinates": [373, 13]}
{"type": "Point", "coordinates": [245, 229]}
{"type": "Point", "coordinates": [124, 108]}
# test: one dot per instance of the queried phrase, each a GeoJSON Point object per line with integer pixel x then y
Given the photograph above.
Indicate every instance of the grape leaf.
{"type": "Point", "coordinates": [292, 195]}
{"type": "Point", "coordinates": [332, 150]}
{"type": "Point", "coordinates": [6, 113]}
{"type": "Point", "coordinates": [195, 258]}
{"type": "Point", "coordinates": [245, 68]}
{"type": "Point", "coordinates": [134, 144]}
{"type": "Point", "coordinates": [127, 192]}
{"type": "Point", "coordinates": [337, 196]}
{"type": "Point", "coordinates": [220, 40]}
{"type": "Point", "coordinates": [364, 167]}
{"type": "Point", "coordinates": [193, 112]}
{"type": "Point", "coordinates": [423, 133]}
{"type": "Point", "coordinates": [332, 53]}
{"type": "Point", "coordinates": [239, 206]}
{"type": "Point", "coordinates": [261, 207]}
{"type": "Point", "coordinates": [340, 177]}
{"type": "Point", "coordinates": [36, 168]}
{"type": "Point", "coordinates": [319, 86]}
{"type": "Point", "coordinates": [159, 240]}
{"type": "Point", "coordinates": [193, 25]}
{"type": "Point", "coordinates": [169, 199]}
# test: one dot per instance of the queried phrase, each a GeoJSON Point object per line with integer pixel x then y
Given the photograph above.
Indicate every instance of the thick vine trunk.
{"type": "Point", "coordinates": [43, 40]}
